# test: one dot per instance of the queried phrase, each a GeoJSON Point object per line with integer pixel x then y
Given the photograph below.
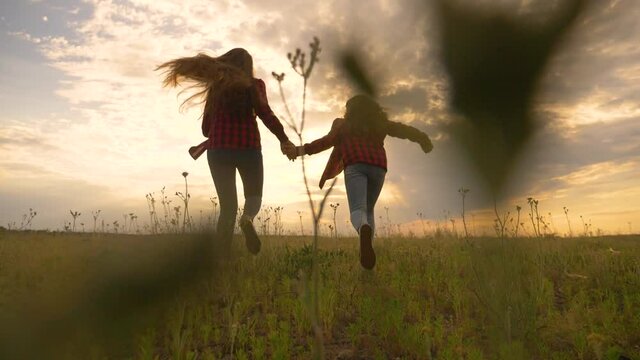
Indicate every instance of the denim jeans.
{"type": "Point", "coordinates": [364, 183]}
{"type": "Point", "coordinates": [223, 164]}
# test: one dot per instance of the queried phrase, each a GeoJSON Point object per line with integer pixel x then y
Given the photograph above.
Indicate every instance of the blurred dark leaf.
{"type": "Point", "coordinates": [113, 307]}
{"type": "Point", "coordinates": [494, 63]}
{"type": "Point", "coordinates": [356, 71]}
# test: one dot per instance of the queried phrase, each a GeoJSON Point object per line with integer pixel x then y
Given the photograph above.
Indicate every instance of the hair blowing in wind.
{"type": "Point", "coordinates": [212, 78]}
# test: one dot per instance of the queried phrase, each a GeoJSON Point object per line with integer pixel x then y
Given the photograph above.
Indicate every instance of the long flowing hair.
{"type": "Point", "coordinates": [365, 116]}
{"type": "Point", "coordinates": [225, 80]}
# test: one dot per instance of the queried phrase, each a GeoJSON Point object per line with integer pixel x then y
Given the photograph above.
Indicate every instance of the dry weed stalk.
{"type": "Point", "coordinates": [304, 68]}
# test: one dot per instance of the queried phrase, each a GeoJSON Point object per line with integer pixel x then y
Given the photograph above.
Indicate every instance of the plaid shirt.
{"type": "Point", "coordinates": [227, 130]}
{"type": "Point", "coordinates": [352, 148]}
{"type": "Point", "coordinates": [363, 149]}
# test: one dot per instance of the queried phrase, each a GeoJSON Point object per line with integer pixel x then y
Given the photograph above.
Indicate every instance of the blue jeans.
{"type": "Point", "coordinates": [223, 164]}
{"type": "Point", "coordinates": [364, 183]}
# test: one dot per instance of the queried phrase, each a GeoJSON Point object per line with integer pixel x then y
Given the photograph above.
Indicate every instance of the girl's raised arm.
{"type": "Point", "coordinates": [403, 131]}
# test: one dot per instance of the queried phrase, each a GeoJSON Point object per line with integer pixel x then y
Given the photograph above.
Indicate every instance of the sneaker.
{"type": "Point", "coordinates": [251, 237]}
{"type": "Point", "coordinates": [367, 255]}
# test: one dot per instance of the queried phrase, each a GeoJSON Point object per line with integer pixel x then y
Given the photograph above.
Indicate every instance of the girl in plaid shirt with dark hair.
{"type": "Point", "coordinates": [233, 98]}
{"type": "Point", "coordinates": [358, 148]}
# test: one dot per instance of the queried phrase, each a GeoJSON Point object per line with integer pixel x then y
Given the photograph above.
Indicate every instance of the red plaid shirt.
{"type": "Point", "coordinates": [351, 148]}
{"type": "Point", "coordinates": [363, 149]}
{"type": "Point", "coordinates": [227, 130]}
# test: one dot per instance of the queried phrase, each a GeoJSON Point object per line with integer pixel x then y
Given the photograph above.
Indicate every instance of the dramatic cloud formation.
{"type": "Point", "coordinates": [86, 125]}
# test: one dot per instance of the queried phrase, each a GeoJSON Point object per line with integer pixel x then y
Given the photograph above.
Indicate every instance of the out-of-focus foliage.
{"type": "Point", "coordinates": [122, 284]}
{"type": "Point", "coordinates": [493, 63]}
{"type": "Point", "coordinates": [351, 62]}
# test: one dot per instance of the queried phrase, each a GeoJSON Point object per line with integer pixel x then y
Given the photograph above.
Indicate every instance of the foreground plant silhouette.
{"type": "Point", "coordinates": [303, 67]}
{"type": "Point", "coordinates": [494, 63]}
{"type": "Point", "coordinates": [463, 193]}
{"type": "Point", "coordinates": [186, 219]}
{"type": "Point", "coordinates": [109, 309]}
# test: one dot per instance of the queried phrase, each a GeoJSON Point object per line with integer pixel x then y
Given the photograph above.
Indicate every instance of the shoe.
{"type": "Point", "coordinates": [250, 236]}
{"type": "Point", "coordinates": [367, 255]}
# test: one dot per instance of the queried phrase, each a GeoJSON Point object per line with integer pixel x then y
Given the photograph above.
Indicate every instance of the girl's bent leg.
{"type": "Point", "coordinates": [251, 172]}
{"type": "Point", "coordinates": [375, 181]}
{"type": "Point", "coordinates": [223, 173]}
{"type": "Point", "coordinates": [356, 183]}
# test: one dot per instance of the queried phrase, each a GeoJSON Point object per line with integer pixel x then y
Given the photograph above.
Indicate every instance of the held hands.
{"type": "Point", "coordinates": [288, 149]}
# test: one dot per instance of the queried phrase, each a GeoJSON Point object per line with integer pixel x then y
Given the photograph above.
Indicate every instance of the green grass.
{"type": "Point", "coordinates": [426, 299]}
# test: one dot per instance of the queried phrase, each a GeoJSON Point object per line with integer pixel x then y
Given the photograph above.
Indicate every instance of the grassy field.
{"type": "Point", "coordinates": [73, 295]}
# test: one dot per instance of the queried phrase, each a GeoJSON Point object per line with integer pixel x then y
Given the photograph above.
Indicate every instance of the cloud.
{"type": "Point", "coordinates": [558, 150]}
{"type": "Point", "coordinates": [405, 97]}
{"type": "Point", "coordinates": [598, 173]}
{"type": "Point", "coordinates": [8, 142]}
{"type": "Point", "coordinates": [591, 77]}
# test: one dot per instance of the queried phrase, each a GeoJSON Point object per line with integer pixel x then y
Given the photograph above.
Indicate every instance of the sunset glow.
{"type": "Point", "coordinates": [86, 125]}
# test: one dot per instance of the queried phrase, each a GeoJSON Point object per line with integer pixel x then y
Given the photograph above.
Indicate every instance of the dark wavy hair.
{"type": "Point", "coordinates": [365, 116]}
{"type": "Point", "coordinates": [224, 81]}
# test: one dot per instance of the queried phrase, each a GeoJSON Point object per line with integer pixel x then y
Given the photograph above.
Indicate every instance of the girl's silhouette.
{"type": "Point", "coordinates": [358, 148]}
{"type": "Point", "coordinates": [233, 98]}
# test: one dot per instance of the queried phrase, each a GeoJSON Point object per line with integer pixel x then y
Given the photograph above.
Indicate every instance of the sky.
{"type": "Point", "coordinates": [85, 124]}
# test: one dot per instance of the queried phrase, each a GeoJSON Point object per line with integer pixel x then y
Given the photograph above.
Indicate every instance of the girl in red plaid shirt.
{"type": "Point", "coordinates": [233, 98]}
{"type": "Point", "coordinates": [358, 148]}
